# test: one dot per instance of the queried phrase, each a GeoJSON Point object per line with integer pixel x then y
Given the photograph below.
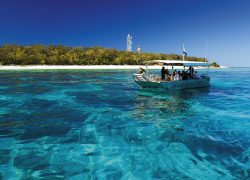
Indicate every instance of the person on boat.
{"type": "Point", "coordinates": [167, 72]}
{"type": "Point", "coordinates": [167, 75]}
{"type": "Point", "coordinates": [196, 75]}
{"type": "Point", "coordinates": [163, 73]}
{"type": "Point", "coordinates": [174, 73]}
{"type": "Point", "coordinates": [178, 77]}
{"type": "Point", "coordinates": [190, 72]}
{"type": "Point", "coordinates": [185, 75]}
{"type": "Point", "coordinates": [142, 71]}
{"type": "Point", "coordinates": [191, 69]}
{"type": "Point", "coordinates": [179, 72]}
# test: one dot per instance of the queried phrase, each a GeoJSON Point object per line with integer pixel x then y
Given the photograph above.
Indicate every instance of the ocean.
{"type": "Point", "coordinates": [98, 124]}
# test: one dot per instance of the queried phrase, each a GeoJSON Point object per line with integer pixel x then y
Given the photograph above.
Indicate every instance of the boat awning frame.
{"type": "Point", "coordinates": [178, 63]}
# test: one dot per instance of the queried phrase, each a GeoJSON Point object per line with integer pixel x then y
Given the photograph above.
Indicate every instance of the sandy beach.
{"type": "Point", "coordinates": [31, 67]}
{"type": "Point", "coordinates": [69, 67]}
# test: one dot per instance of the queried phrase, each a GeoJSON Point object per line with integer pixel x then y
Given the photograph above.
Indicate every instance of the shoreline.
{"type": "Point", "coordinates": [89, 67]}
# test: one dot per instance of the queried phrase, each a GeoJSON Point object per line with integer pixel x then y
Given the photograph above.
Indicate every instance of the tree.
{"type": "Point", "coordinates": [214, 64]}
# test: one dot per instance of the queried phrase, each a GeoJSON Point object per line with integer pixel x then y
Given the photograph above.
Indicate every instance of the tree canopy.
{"type": "Point", "coordinates": [214, 64]}
{"type": "Point", "coordinates": [64, 55]}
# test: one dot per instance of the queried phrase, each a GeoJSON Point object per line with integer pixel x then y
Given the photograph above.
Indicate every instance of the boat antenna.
{"type": "Point", "coordinates": [206, 51]}
{"type": "Point", "coordinates": [206, 56]}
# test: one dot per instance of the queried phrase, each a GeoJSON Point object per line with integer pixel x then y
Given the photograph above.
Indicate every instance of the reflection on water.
{"type": "Point", "coordinates": [167, 104]}
{"type": "Point", "coordinates": [99, 125]}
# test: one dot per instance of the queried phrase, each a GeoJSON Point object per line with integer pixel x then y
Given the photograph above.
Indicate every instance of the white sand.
{"type": "Point", "coordinates": [45, 67]}
{"type": "Point", "coordinates": [14, 67]}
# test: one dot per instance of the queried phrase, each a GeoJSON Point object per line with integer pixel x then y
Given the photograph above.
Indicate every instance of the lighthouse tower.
{"type": "Point", "coordinates": [129, 43]}
{"type": "Point", "coordinates": [139, 49]}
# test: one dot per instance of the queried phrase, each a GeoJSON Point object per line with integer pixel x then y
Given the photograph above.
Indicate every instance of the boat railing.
{"type": "Point", "coordinates": [156, 78]}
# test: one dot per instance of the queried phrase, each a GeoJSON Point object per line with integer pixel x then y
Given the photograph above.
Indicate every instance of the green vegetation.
{"type": "Point", "coordinates": [63, 55]}
{"type": "Point", "coordinates": [214, 64]}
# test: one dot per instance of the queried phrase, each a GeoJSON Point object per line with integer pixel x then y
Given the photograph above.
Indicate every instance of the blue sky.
{"type": "Point", "coordinates": [158, 26]}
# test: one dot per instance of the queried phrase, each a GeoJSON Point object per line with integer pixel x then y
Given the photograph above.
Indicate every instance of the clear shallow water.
{"type": "Point", "coordinates": [100, 125]}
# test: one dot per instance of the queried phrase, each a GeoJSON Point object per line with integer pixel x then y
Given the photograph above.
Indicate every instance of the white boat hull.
{"type": "Point", "coordinates": [182, 84]}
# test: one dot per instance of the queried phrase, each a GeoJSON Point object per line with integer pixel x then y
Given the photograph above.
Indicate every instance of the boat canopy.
{"type": "Point", "coordinates": [177, 63]}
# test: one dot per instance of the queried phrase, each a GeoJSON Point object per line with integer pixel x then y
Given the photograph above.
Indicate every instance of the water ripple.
{"type": "Point", "coordinates": [100, 125]}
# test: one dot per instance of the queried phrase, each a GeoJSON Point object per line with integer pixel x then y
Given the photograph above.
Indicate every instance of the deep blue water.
{"type": "Point", "coordinates": [100, 125]}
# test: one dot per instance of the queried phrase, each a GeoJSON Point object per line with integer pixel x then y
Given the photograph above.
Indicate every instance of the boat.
{"type": "Point", "coordinates": [186, 78]}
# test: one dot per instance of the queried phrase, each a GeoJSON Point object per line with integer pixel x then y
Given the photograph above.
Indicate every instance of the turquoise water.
{"type": "Point", "coordinates": [100, 125]}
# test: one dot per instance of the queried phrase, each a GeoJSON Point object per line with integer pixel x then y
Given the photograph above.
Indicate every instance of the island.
{"type": "Point", "coordinates": [51, 55]}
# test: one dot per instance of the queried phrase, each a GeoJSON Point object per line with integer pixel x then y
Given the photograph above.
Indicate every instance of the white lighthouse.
{"type": "Point", "coordinates": [139, 49]}
{"type": "Point", "coordinates": [129, 43]}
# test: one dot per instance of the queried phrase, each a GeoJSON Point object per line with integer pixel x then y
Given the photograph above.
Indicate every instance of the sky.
{"type": "Point", "coordinates": [159, 26]}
